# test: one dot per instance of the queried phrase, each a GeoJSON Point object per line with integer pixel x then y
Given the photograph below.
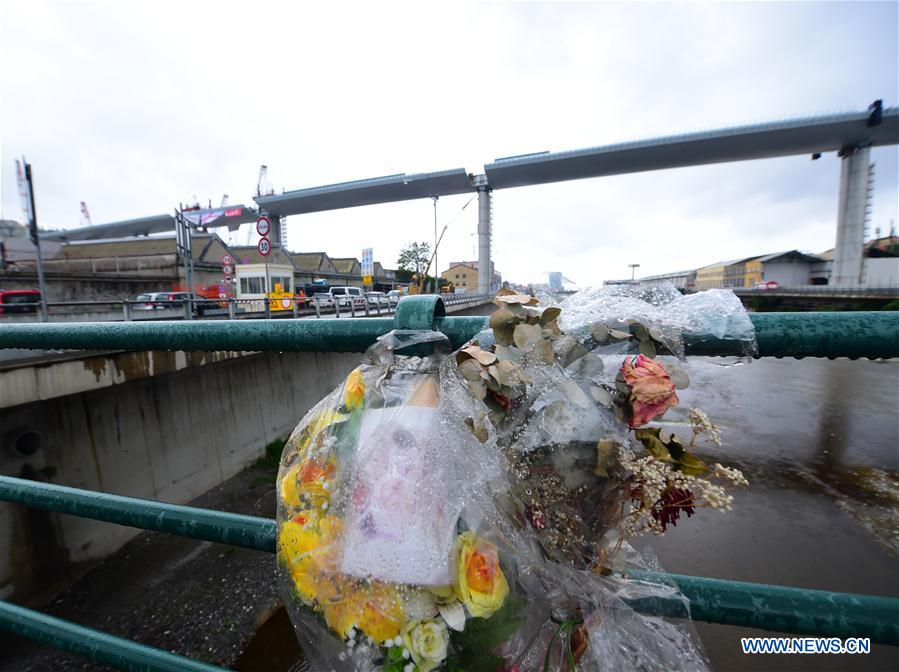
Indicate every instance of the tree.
{"type": "Point", "coordinates": [414, 258]}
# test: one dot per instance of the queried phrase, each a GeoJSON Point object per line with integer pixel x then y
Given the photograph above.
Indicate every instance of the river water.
{"type": "Point", "coordinates": [819, 442]}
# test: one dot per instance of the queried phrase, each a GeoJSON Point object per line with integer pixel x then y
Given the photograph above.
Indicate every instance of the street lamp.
{"type": "Point", "coordinates": [633, 268]}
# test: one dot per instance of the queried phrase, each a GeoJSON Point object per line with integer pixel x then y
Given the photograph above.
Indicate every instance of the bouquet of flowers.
{"type": "Point", "coordinates": [472, 512]}
{"type": "Point", "coordinates": [384, 554]}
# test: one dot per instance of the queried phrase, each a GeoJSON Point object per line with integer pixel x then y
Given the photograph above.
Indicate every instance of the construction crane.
{"type": "Point", "coordinates": [85, 215]}
{"type": "Point", "coordinates": [263, 186]}
{"type": "Point", "coordinates": [422, 276]}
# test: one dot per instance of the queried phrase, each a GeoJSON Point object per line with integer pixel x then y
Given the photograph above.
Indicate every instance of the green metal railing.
{"type": "Point", "coordinates": [775, 608]}
{"type": "Point", "coordinates": [859, 334]}
{"type": "Point", "coordinates": [779, 608]}
{"type": "Point", "coordinates": [95, 645]}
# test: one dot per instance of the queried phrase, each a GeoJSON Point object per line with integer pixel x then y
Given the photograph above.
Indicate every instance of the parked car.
{"type": "Point", "coordinates": [770, 284]}
{"type": "Point", "coordinates": [149, 301]}
{"type": "Point", "coordinates": [394, 296]}
{"type": "Point", "coordinates": [376, 299]}
{"type": "Point", "coordinates": [17, 300]}
{"type": "Point", "coordinates": [172, 300]}
{"type": "Point", "coordinates": [322, 299]}
{"type": "Point", "coordinates": [344, 295]}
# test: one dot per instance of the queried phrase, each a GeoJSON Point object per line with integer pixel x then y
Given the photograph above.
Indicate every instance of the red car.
{"type": "Point", "coordinates": [11, 301]}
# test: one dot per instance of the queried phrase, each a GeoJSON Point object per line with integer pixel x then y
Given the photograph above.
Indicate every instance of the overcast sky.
{"type": "Point", "coordinates": [135, 106]}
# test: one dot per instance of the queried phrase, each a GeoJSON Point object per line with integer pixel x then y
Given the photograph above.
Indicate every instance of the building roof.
{"type": "Point", "coordinates": [133, 247]}
{"type": "Point", "coordinates": [790, 254]}
{"type": "Point", "coordinates": [723, 264]}
{"type": "Point", "coordinates": [663, 276]}
{"type": "Point", "coordinates": [347, 265]}
{"type": "Point", "coordinates": [313, 262]}
{"type": "Point", "coordinates": [249, 254]}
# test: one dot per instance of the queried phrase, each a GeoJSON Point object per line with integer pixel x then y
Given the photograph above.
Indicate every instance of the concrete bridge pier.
{"type": "Point", "coordinates": [485, 232]}
{"type": "Point", "coordinates": [855, 184]}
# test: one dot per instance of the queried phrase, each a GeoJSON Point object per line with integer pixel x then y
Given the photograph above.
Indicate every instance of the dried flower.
{"type": "Point", "coordinates": [701, 424]}
{"type": "Point", "coordinates": [651, 388]}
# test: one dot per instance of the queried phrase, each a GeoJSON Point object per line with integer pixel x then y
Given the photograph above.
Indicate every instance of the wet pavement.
{"type": "Point", "coordinates": [818, 440]}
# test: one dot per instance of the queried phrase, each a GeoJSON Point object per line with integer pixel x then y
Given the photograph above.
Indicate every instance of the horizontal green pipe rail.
{"type": "Point", "coordinates": [800, 611]}
{"type": "Point", "coordinates": [187, 521]}
{"type": "Point", "coordinates": [94, 644]}
{"type": "Point", "coordinates": [849, 334]}
{"type": "Point", "coordinates": [775, 608]}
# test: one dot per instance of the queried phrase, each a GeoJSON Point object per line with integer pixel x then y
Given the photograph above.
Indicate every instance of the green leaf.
{"type": "Point", "coordinates": [653, 444]}
{"type": "Point", "coordinates": [647, 349]}
{"type": "Point", "coordinates": [640, 333]}
{"type": "Point", "coordinates": [482, 634]}
{"type": "Point", "coordinates": [675, 447]}
{"type": "Point", "coordinates": [691, 465]}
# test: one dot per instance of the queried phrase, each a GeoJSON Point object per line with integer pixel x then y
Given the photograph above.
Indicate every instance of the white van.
{"type": "Point", "coordinates": [343, 295]}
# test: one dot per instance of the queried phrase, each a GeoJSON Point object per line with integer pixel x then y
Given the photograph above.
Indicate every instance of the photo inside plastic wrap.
{"type": "Point", "coordinates": [386, 552]}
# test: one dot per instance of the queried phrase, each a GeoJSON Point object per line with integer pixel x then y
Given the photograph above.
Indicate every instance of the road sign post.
{"type": "Point", "coordinates": [368, 267]}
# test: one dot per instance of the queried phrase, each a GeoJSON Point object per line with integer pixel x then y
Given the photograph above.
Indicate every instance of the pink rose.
{"type": "Point", "coordinates": [652, 392]}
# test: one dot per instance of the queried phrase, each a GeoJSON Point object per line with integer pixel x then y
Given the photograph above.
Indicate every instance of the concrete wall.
{"type": "Point", "coordinates": [882, 272]}
{"type": "Point", "coordinates": [168, 437]}
{"type": "Point", "coordinates": [787, 274]}
{"type": "Point", "coordinates": [95, 288]}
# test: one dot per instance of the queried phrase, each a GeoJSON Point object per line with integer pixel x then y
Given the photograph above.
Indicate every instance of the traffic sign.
{"type": "Point", "coordinates": [227, 270]}
{"type": "Point", "coordinates": [285, 302]}
{"type": "Point", "coordinates": [227, 259]}
{"type": "Point", "coordinates": [263, 226]}
{"type": "Point", "coordinates": [264, 247]}
{"type": "Point", "coordinates": [227, 279]}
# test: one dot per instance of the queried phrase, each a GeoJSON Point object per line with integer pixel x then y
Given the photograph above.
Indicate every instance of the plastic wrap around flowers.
{"type": "Point", "coordinates": [472, 511]}
{"type": "Point", "coordinates": [384, 565]}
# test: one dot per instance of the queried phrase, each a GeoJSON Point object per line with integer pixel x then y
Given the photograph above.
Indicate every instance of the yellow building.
{"type": "Point", "coordinates": [753, 273]}
{"type": "Point", "coordinates": [710, 277]}
{"type": "Point", "coordinates": [463, 277]}
{"type": "Point", "coordinates": [745, 272]}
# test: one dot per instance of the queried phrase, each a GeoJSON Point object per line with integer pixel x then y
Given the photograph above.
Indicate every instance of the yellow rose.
{"type": "Point", "coordinates": [354, 390]}
{"type": "Point", "coordinates": [382, 614]}
{"type": "Point", "coordinates": [308, 483]}
{"type": "Point", "coordinates": [342, 603]}
{"type": "Point", "coordinates": [306, 549]}
{"type": "Point", "coordinates": [427, 642]}
{"type": "Point", "coordinates": [319, 421]}
{"type": "Point", "coordinates": [296, 543]}
{"type": "Point", "coordinates": [479, 584]}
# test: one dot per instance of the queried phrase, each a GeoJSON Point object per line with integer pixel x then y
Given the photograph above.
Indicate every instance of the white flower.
{"type": "Point", "coordinates": [454, 614]}
{"type": "Point", "coordinates": [427, 642]}
{"type": "Point", "coordinates": [419, 605]}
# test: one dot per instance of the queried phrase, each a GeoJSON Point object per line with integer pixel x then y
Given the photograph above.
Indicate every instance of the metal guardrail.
{"type": "Point", "coordinates": [778, 608]}
{"type": "Point", "coordinates": [317, 305]}
{"type": "Point", "coordinates": [95, 645]}
{"type": "Point", "coordinates": [872, 334]}
{"type": "Point", "coordinates": [775, 608]}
